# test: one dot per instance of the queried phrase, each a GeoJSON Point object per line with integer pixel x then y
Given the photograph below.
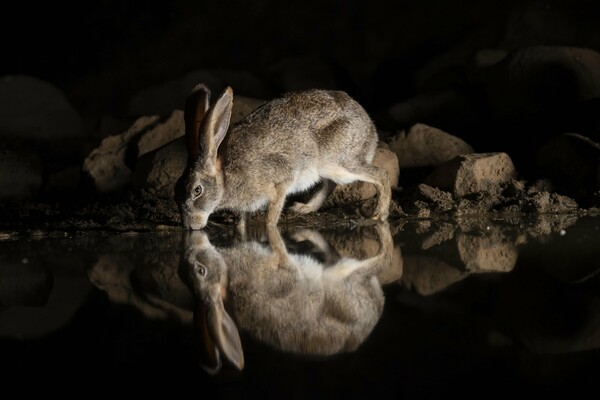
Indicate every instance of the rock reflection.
{"type": "Point", "coordinates": [444, 254]}
{"type": "Point", "coordinates": [292, 302]}
{"type": "Point", "coordinates": [41, 284]}
{"type": "Point", "coordinates": [144, 274]}
{"type": "Point", "coordinates": [24, 283]}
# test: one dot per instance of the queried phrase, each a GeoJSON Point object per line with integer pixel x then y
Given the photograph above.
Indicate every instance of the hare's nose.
{"type": "Point", "coordinates": [196, 221]}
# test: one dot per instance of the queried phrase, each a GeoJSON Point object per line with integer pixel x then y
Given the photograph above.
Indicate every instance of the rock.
{"type": "Point", "coordinates": [488, 57]}
{"type": "Point", "coordinates": [439, 108]}
{"type": "Point", "coordinates": [112, 164]}
{"type": "Point", "coordinates": [425, 197]}
{"type": "Point", "coordinates": [572, 162]}
{"type": "Point", "coordinates": [473, 173]}
{"type": "Point", "coordinates": [536, 78]}
{"type": "Point", "coordinates": [164, 132]}
{"type": "Point", "coordinates": [64, 181]}
{"type": "Point", "coordinates": [360, 191]}
{"type": "Point", "coordinates": [166, 97]}
{"type": "Point", "coordinates": [20, 173]}
{"type": "Point", "coordinates": [33, 109]}
{"type": "Point", "coordinates": [551, 21]}
{"type": "Point", "coordinates": [544, 202]}
{"type": "Point", "coordinates": [157, 171]}
{"type": "Point", "coordinates": [492, 253]}
{"type": "Point", "coordinates": [109, 126]}
{"type": "Point", "coordinates": [425, 146]}
{"type": "Point", "coordinates": [106, 164]}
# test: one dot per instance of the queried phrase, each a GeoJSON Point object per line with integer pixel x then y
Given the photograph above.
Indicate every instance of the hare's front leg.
{"type": "Point", "coordinates": [276, 201]}
{"type": "Point", "coordinates": [317, 200]}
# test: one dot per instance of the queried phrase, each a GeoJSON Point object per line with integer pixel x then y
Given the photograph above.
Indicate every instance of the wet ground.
{"type": "Point", "coordinates": [413, 309]}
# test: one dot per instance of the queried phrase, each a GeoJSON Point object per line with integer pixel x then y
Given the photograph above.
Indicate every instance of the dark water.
{"type": "Point", "coordinates": [410, 310]}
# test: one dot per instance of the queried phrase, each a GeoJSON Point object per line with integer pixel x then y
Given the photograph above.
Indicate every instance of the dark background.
{"type": "Point", "coordinates": [102, 52]}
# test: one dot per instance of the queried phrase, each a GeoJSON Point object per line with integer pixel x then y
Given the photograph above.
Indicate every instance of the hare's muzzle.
{"type": "Point", "coordinates": [195, 220]}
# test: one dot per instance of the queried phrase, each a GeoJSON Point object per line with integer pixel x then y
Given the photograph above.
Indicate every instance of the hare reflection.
{"type": "Point", "coordinates": [292, 302]}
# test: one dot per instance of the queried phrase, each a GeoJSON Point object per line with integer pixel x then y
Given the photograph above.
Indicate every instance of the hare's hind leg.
{"type": "Point", "coordinates": [379, 178]}
{"type": "Point", "coordinates": [316, 201]}
{"type": "Point", "coordinates": [372, 174]}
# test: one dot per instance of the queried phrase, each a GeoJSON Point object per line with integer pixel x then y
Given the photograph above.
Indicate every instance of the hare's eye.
{"type": "Point", "coordinates": [198, 190]}
{"type": "Point", "coordinates": [202, 270]}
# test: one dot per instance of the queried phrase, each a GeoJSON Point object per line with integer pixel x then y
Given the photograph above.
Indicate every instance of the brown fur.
{"type": "Point", "coordinates": [285, 146]}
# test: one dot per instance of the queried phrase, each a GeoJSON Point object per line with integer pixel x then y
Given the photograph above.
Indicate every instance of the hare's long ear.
{"type": "Point", "coordinates": [220, 335]}
{"type": "Point", "coordinates": [207, 349]}
{"type": "Point", "coordinates": [215, 126]}
{"type": "Point", "coordinates": [196, 107]}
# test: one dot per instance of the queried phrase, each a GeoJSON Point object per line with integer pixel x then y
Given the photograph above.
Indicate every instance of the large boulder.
{"type": "Point", "coordinates": [33, 109]}
{"type": "Point", "coordinates": [534, 22]}
{"type": "Point", "coordinates": [111, 165]}
{"type": "Point", "coordinates": [473, 173]}
{"type": "Point", "coordinates": [535, 78]}
{"type": "Point", "coordinates": [426, 146]}
{"type": "Point", "coordinates": [158, 171]}
{"type": "Point", "coordinates": [572, 162]}
{"type": "Point", "coordinates": [440, 108]}
{"type": "Point", "coordinates": [20, 173]}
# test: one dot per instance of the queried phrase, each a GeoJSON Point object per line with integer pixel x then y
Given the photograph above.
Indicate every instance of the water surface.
{"type": "Point", "coordinates": [410, 309]}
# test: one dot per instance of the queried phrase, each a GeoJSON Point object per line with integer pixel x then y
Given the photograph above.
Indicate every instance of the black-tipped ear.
{"type": "Point", "coordinates": [215, 125]}
{"type": "Point", "coordinates": [196, 107]}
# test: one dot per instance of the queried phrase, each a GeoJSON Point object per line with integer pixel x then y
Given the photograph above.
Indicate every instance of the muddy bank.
{"type": "Point", "coordinates": [140, 210]}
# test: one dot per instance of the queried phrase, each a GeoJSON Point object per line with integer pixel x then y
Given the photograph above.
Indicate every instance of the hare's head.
{"type": "Point", "coordinates": [204, 270]}
{"type": "Point", "coordinates": [200, 189]}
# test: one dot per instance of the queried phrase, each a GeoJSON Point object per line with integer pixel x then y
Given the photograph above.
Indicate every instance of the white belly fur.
{"type": "Point", "coordinates": [304, 180]}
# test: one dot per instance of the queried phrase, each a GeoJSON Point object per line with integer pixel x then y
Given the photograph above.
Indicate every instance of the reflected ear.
{"type": "Point", "coordinates": [207, 348]}
{"type": "Point", "coordinates": [224, 332]}
{"type": "Point", "coordinates": [196, 107]}
{"type": "Point", "coordinates": [215, 126]}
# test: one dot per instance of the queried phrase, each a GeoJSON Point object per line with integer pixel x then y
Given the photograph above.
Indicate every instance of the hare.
{"type": "Point", "coordinates": [289, 301]}
{"type": "Point", "coordinates": [285, 146]}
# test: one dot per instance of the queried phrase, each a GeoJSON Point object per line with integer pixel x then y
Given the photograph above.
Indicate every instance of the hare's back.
{"type": "Point", "coordinates": [298, 115]}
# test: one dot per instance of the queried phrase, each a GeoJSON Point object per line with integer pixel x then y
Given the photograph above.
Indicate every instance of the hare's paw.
{"type": "Point", "coordinates": [379, 215]}
{"type": "Point", "coordinates": [302, 208]}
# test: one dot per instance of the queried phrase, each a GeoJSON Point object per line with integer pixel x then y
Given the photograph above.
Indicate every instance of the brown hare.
{"type": "Point", "coordinates": [286, 146]}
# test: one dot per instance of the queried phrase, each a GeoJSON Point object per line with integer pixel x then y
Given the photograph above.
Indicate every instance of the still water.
{"type": "Point", "coordinates": [412, 309]}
